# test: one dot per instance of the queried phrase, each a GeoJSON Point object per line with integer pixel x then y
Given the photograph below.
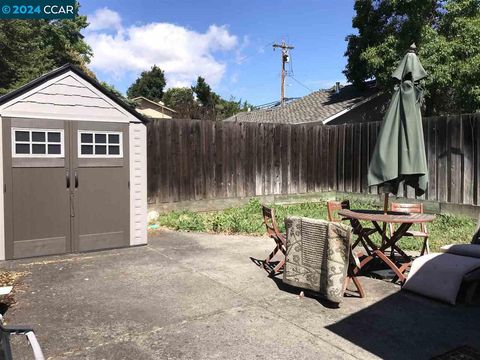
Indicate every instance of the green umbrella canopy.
{"type": "Point", "coordinates": [399, 154]}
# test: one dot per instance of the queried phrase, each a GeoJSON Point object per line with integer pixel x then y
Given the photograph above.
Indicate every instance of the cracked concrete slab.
{"type": "Point", "coordinates": [200, 296]}
{"type": "Point", "coordinates": [237, 333]}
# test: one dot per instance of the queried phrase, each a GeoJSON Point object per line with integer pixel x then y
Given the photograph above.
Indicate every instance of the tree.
{"type": "Point", "coordinates": [112, 89]}
{"type": "Point", "coordinates": [31, 48]}
{"type": "Point", "coordinates": [214, 107]}
{"type": "Point", "coordinates": [150, 84]}
{"type": "Point", "coordinates": [206, 98]}
{"type": "Point", "coordinates": [211, 103]}
{"type": "Point", "coordinates": [66, 41]}
{"type": "Point", "coordinates": [446, 33]}
{"type": "Point", "coordinates": [177, 97]}
{"type": "Point", "coordinates": [182, 101]}
{"type": "Point", "coordinates": [231, 107]}
{"type": "Point", "coordinates": [204, 93]}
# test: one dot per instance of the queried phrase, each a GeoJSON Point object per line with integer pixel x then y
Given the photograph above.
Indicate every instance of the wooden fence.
{"type": "Point", "coordinates": [196, 160]}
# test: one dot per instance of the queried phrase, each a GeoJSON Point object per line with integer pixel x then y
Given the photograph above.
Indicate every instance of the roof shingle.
{"type": "Point", "coordinates": [315, 107]}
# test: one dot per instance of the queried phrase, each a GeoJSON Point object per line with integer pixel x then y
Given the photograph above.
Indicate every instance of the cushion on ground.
{"type": "Point", "coordinates": [472, 250]}
{"type": "Point", "coordinates": [472, 276]}
{"type": "Point", "coordinates": [440, 275]}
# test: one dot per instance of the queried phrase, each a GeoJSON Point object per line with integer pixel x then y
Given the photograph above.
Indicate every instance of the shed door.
{"type": "Point", "coordinates": [101, 198]}
{"type": "Point", "coordinates": [66, 186]}
{"type": "Point", "coordinates": [37, 200]}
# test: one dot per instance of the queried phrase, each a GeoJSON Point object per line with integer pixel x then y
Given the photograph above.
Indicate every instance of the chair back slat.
{"type": "Point", "coordinates": [415, 208]}
{"type": "Point", "coordinates": [333, 207]}
{"type": "Point", "coordinates": [411, 208]}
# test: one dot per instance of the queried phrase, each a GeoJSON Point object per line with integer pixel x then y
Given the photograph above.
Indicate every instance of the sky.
{"type": "Point", "coordinates": [227, 42]}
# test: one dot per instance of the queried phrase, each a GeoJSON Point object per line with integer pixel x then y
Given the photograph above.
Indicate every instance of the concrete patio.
{"type": "Point", "coordinates": [200, 296]}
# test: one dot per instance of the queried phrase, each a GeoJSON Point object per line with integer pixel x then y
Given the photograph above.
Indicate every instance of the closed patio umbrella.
{"type": "Point", "coordinates": [399, 154]}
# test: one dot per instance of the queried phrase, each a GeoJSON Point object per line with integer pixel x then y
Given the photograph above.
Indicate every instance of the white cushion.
{"type": "Point", "coordinates": [472, 250]}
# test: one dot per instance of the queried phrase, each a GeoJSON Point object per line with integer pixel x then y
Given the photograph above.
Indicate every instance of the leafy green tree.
{"type": "Point", "coordinates": [112, 89]}
{"type": "Point", "coordinates": [214, 107]}
{"type": "Point", "coordinates": [207, 99]}
{"type": "Point", "coordinates": [150, 84]}
{"type": "Point", "coordinates": [21, 53]}
{"type": "Point", "coordinates": [227, 108]}
{"type": "Point", "coordinates": [182, 101]}
{"type": "Point", "coordinates": [446, 33]}
{"type": "Point", "coordinates": [204, 93]}
{"type": "Point", "coordinates": [30, 48]}
{"type": "Point", "coordinates": [208, 106]}
{"type": "Point", "coordinates": [177, 97]}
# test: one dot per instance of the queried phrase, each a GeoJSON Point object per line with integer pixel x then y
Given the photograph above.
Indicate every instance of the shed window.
{"type": "Point", "coordinates": [37, 143]}
{"type": "Point", "coordinates": [100, 144]}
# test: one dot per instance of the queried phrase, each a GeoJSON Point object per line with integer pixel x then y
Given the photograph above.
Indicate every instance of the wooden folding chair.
{"type": "Point", "coordinates": [334, 206]}
{"type": "Point", "coordinates": [353, 268]}
{"type": "Point", "coordinates": [278, 237]}
{"type": "Point", "coordinates": [332, 209]}
{"type": "Point", "coordinates": [416, 208]}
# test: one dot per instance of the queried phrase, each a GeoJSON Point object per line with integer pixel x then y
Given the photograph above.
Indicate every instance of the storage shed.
{"type": "Point", "coordinates": [73, 168]}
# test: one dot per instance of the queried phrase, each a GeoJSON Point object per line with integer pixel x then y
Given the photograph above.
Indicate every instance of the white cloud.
{"type": "Point", "coordinates": [182, 53]}
{"type": "Point", "coordinates": [234, 78]}
{"type": "Point", "coordinates": [104, 19]}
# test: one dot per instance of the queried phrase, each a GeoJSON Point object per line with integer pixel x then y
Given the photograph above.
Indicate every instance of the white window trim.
{"type": "Point", "coordinates": [30, 142]}
{"type": "Point", "coordinates": [101, 156]}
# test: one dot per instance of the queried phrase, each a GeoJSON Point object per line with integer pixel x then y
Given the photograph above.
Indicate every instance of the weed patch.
{"type": "Point", "coordinates": [247, 219]}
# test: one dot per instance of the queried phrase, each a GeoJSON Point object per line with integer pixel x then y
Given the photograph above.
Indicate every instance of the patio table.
{"type": "Point", "coordinates": [404, 220]}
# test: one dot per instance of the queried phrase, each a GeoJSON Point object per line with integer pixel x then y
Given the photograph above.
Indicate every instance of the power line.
{"type": "Point", "coordinates": [265, 46]}
{"type": "Point", "coordinates": [301, 84]}
{"type": "Point", "coordinates": [291, 75]}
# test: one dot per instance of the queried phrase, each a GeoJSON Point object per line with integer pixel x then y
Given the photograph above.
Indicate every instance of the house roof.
{"type": "Point", "coordinates": [61, 70]}
{"type": "Point", "coordinates": [319, 106]}
{"type": "Point", "coordinates": [153, 103]}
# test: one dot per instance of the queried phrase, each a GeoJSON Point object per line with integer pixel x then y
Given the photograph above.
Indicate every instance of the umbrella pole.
{"type": "Point", "coordinates": [385, 210]}
{"type": "Point", "coordinates": [385, 203]}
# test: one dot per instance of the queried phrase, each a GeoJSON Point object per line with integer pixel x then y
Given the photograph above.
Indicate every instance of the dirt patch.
{"type": "Point", "coordinates": [10, 278]}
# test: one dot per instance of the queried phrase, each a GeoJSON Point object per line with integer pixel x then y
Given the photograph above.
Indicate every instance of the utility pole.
{"type": "Point", "coordinates": [285, 59]}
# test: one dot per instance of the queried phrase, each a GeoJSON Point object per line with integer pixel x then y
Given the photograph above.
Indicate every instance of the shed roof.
{"type": "Point", "coordinates": [319, 106]}
{"type": "Point", "coordinates": [61, 70]}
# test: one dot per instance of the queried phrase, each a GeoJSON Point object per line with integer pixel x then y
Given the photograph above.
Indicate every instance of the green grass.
{"type": "Point", "coordinates": [446, 229]}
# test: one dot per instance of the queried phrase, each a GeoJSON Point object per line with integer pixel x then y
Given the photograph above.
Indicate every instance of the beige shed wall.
{"type": "Point", "coordinates": [138, 184]}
